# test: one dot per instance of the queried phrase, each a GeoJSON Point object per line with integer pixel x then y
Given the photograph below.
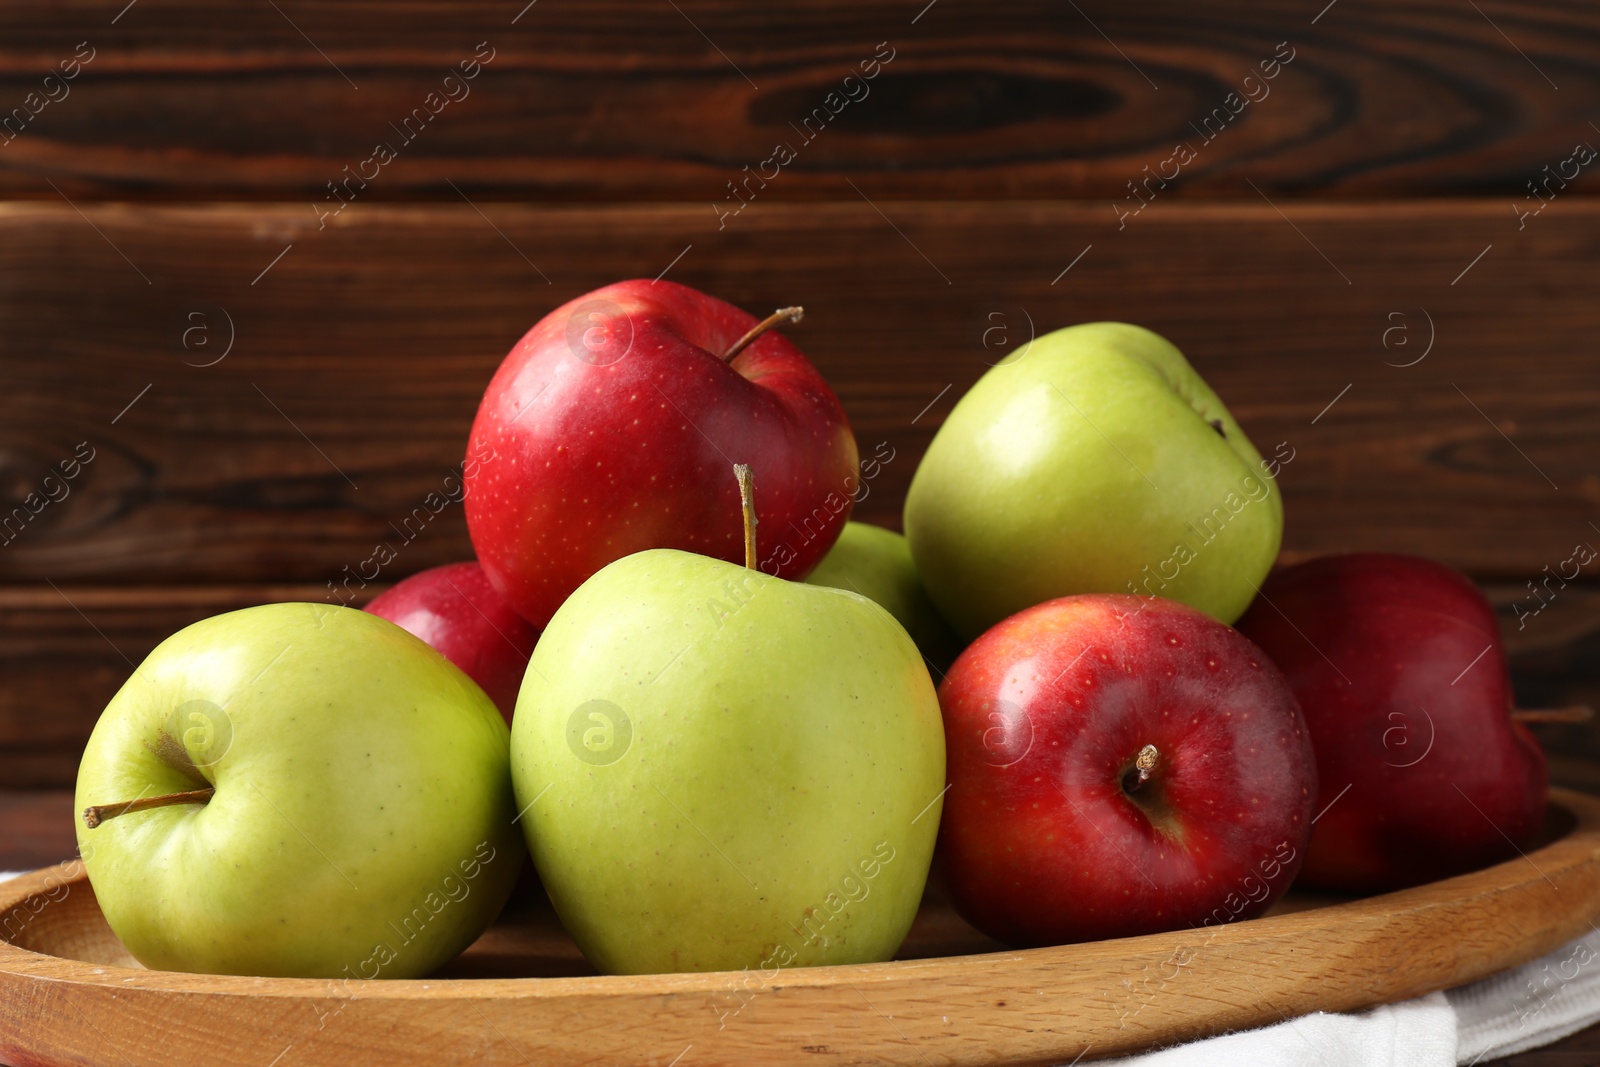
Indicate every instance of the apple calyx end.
{"type": "Point", "coordinates": [789, 314]}
{"type": "Point", "coordinates": [747, 507]}
{"type": "Point", "coordinates": [96, 814]}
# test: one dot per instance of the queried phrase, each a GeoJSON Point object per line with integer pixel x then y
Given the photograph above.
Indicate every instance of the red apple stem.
{"type": "Point", "coordinates": [794, 314]}
{"type": "Point", "coordinates": [1575, 713]}
{"type": "Point", "coordinates": [1144, 765]}
{"type": "Point", "coordinates": [747, 504]}
{"type": "Point", "coordinates": [95, 815]}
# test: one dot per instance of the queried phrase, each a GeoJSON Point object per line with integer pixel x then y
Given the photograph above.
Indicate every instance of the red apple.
{"type": "Point", "coordinates": [455, 610]}
{"type": "Point", "coordinates": [1119, 765]}
{"type": "Point", "coordinates": [1399, 669]}
{"type": "Point", "coordinates": [610, 428]}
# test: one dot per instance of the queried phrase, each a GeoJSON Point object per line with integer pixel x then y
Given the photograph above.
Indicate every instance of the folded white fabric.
{"type": "Point", "coordinates": [1530, 1006]}
{"type": "Point", "coordinates": [1413, 1033]}
{"type": "Point", "coordinates": [1524, 1008]}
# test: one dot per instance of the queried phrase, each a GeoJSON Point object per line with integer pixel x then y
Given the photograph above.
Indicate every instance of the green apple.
{"type": "Point", "coordinates": [877, 564]}
{"type": "Point", "coordinates": [723, 770]}
{"type": "Point", "coordinates": [360, 819]}
{"type": "Point", "coordinates": [1093, 461]}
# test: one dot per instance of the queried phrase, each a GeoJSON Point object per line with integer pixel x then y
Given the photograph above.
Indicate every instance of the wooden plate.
{"type": "Point", "coordinates": [70, 994]}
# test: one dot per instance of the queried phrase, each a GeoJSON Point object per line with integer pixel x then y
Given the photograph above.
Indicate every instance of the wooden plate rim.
{"type": "Point", "coordinates": [1030, 1006]}
{"type": "Point", "coordinates": [1580, 846]}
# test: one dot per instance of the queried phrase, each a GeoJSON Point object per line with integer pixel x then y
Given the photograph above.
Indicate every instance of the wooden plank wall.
{"type": "Point", "coordinates": [269, 376]}
{"type": "Point", "coordinates": [626, 100]}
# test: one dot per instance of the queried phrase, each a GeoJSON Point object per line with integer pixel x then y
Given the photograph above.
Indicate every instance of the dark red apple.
{"type": "Point", "coordinates": [1399, 669]}
{"type": "Point", "coordinates": [610, 428]}
{"type": "Point", "coordinates": [1119, 765]}
{"type": "Point", "coordinates": [455, 610]}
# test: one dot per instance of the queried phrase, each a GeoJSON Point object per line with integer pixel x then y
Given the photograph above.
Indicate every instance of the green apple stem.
{"type": "Point", "coordinates": [747, 504]}
{"type": "Point", "coordinates": [99, 813]}
{"type": "Point", "coordinates": [1144, 765]}
{"type": "Point", "coordinates": [781, 315]}
{"type": "Point", "coordinates": [1575, 713]}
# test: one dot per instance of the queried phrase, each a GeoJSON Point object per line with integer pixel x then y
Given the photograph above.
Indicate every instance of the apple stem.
{"type": "Point", "coordinates": [747, 504]}
{"type": "Point", "coordinates": [794, 314]}
{"type": "Point", "coordinates": [99, 813]}
{"type": "Point", "coordinates": [1144, 766]}
{"type": "Point", "coordinates": [1575, 713]}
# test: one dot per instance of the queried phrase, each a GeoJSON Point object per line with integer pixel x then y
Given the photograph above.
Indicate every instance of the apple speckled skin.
{"type": "Point", "coordinates": [1399, 668]}
{"type": "Point", "coordinates": [610, 428]}
{"type": "Point", "coordinates": [457, 611]}
{"type": "Point", "coordinates": [1091, 462]}
{"type": "Point", "coordinates": [1043, 841]}
{"type": "Point", "coordinates": [362, 820]}
{"type": "Point", "coordinates": [722, 769]}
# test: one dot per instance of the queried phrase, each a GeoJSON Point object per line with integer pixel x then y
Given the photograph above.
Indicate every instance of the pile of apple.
{"type": "Point", "coordinates": [718, 762]}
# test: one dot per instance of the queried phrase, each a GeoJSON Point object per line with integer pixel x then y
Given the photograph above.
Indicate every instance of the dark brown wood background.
{"type": "Point", "coordinates": [1347, 262]}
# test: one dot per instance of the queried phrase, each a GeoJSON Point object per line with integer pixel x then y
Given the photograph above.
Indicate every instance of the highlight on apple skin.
{"type": "Point", "coordinates": [1094, 460]}
{"type": "Point", "coordinates": [1119, 766]}
{"type": "Point", "coordinates": [350, 804]}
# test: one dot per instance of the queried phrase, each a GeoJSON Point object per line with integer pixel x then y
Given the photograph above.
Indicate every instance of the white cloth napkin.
{"type": "Point", "coordinates": [1530, 1006]}
{"type": "Point", "coordinates": [1412, 1034]}
{"type": "Point", "coordinates": [1533, 1005]}
{"type": "Point", "coordinates": [1517, 1010]}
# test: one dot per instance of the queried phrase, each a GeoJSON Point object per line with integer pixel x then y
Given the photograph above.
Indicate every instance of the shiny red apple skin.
{"type": "Point", "coordinates": [1046, 713]}
{"type": "Point", "coordinates": [456, 610]}
{"type": "Point", "coordinates": [613, 427]}
{"type": "Point", "coordinates": [1399, 669]}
